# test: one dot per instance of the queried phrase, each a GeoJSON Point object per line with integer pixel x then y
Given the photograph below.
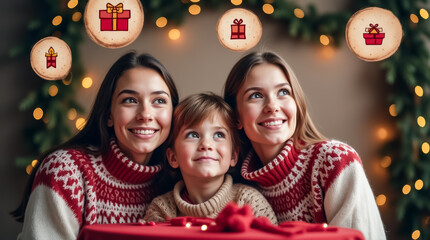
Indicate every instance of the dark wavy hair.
{"type": "Point", "coordinates": [95, 136]}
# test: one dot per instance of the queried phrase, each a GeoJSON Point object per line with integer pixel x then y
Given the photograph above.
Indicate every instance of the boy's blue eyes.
{"type": "Point", "coordinates": [196, 135]}
{"type": "Point", "coordinates": [192, 135]}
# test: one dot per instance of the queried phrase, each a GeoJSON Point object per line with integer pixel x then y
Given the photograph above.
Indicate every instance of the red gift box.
{"type": "Point", "coordinates": [238, 29]}
{"type": "Point", "coordinates": [374, 35]}
{"type": "Point", "coordinates": [114, 18]}
{"type": "Point", "coordinates": [51, 58]}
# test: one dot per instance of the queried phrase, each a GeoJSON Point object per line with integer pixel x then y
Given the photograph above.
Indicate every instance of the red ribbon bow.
{"type": "Point", "coordinates": [238, 22]}
{"type": "Point", "coordinates": [373, 27]}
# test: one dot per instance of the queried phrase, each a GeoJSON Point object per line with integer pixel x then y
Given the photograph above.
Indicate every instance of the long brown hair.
{"type": "Point", "coordinates": [306, 132]}
{"type": "Point", "coordinates": [95, 136]}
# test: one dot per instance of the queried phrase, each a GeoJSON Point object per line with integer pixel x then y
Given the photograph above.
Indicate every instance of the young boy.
{"type": "Point", "coordinates": [203, 145]}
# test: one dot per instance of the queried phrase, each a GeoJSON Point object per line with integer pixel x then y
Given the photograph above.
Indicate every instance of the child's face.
{"type": "Point", "coordinates": [141, 113]}
{"type": "Point", "coordinates": [203, 151]}
{"type": "Point", "coordinates": [267, 111]}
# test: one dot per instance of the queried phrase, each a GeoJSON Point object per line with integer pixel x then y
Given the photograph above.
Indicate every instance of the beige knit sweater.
{"type": "Point", "coordinates": [171, 204]}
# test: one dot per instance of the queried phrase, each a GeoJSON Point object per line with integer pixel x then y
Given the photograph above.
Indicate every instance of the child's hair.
{"type": "Point", "coordinates": [306, 132]}
{"type": "Point", "coordinates": [95, 136]}
{"type": "Point", "coordinates": [195, 109]}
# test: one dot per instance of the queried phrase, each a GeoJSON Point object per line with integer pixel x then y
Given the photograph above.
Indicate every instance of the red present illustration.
{"type": "Point", "coordinates": [51, 58]}
{"type": "Point", "coordinates": [374, 35]}
{"type": "Point", "coordinates": [238, 29]}
{"type": "Point", "coordinates": [114, 18]}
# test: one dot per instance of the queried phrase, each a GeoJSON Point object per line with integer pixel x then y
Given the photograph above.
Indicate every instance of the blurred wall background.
{"type": "Point", "coordinates": [346, 96]}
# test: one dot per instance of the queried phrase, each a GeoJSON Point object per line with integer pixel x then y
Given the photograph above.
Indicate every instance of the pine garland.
{"type": "Point", "coordinates": [405, 70]}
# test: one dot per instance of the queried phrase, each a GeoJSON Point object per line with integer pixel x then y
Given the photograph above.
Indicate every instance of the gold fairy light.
{"type": "Point", "coordinates": [53, 90]}
{"type": "Point", "coordinates": [38, 113]}
{"type": "Point", "coordinates": [386, 161]}
{"type": "Point", "coordinates": [324, 40]}
{"type": "Point", "coordinates": [236, 2]}
{"type": "Point", "coordinates": [268, 8]}
{"type": "Point", "coordinates": [425, 147]}
{"type": "Point", "coordinates": [194, 9]}
{"type": "Point", "coordinates": [392, 110]}
{"type": "Point", "coordinates": [87, 82]}
{"type": "Point", "coordinates": [72, 4]}
{"type": "Point", "coordinates": [34, 163]}
{"type": "Point", "coordinates": [381, 199]}
{"type": "Point", "coordinates": [416, 234]}
{"type": "Point", "coordinates": [174, 34]}
{"type": "Point", "coordinates": [57, 20]}
{"type": "Point", "coordinates": [423, 13]}
{"type": "Point", "coordinates": [72, 114]}
{"type": "Point", "coordinates": [419, 184]}
{"type": "Point", "coordinates": [29, 169]}
{"type": "Point", "coordinates": [76, 16]}
{"type": "Point", "coordinates": [299, 13]}
{"type": "Point", "coordinates": [80, 123]}
{"type": "Point", "coordinates": [419, 91]}
{"type": "Point", "coordinates": [406, 189]}
{"type": "Point", "coordinates": [161, 22]}
{"type": "Point", "coordinates": [414, 18]}
{"type": "Point", "coordinates": [382, 133]}
{"type": "Point", "coordinates": [421, 121]}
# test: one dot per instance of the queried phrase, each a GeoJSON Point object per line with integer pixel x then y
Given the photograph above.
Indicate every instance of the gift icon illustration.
{"type": "Point", "coordinates": [373, 35]}
{"type": "Point", "coordinates": [114, 18]}
{"type": "Point", "coordinates": [238, 29]}
{"type": "Point", "coordinates": [51, 58]}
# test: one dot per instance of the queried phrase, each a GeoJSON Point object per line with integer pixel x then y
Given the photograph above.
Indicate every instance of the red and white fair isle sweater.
{"type": "Point", "coordinates": [73, 189]}
{"type": "Point", "coordinates": [324, 182]}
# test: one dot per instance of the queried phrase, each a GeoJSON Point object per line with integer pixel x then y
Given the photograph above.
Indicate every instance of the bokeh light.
{"type": "Point", "coordinates": [38, 113]}
{"type": "Point", "coordinates": [53, 90]}
{"type": "Point", "coordinates": [268, 8]}
{"type": "Point", "coordinates": [161, 22]}
{"type": "Point", "coordinates": [80, 123]}
{"type": "Point", "coordinates": [76, 16]}
{"type": "Point", "coordinates": [87, 82]}
{"type": "Point", "coordinates": [194, 9]}
{"type": "Point", "coordinates": [299, 13]}
{"type": "Point", "coordinates": [174, 34]}
{"type": "Point", "coordinates": [324, 40]}
{"type": "Point", "coordinates": [57, 20]}
{"type": "Point", "coordinates": [236, 2]}
{"type": "Point", "coordinates": [72, 114]}
{"type": "Point", "coordinates": [406, 189]}
{"type": "Point", "coordinates": [381, 199]}
{"type": "Point", "coordinates": [392, 110]}
{"type": "Point", "coordinates": [414, 18]}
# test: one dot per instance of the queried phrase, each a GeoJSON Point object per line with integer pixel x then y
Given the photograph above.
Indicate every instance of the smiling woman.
{"type": "Point", "coordinates": [110, 162]}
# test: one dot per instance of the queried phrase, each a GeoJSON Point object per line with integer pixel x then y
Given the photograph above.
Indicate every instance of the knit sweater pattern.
{"type": "Point", "coordinates": [171, 204]}
{"type": "Point", "coordinates": [324, 182]}
{"type": "Point", "coordinates": [94, 189]}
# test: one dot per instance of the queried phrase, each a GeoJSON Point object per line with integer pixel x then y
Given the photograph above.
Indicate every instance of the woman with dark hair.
{"type": "Point", "coordinates": [106, 173]}
{"type": "Point", "coordinates": [303, 175]}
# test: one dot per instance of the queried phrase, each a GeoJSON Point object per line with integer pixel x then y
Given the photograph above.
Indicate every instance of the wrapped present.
{"type": "Point", "coordinates": [51, 58]}
{"type": "Point", "coordinates": [238, 29]}
{"type": "Point", "coordinates": [373, 35]}
{"type": "Point", "coordinates": [114, 18]}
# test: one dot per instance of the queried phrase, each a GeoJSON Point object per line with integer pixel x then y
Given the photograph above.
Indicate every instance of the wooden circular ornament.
{"type": "Point", "coordinates": [51, 58]}
{"type": "Point", "coordinates": [239, 29]}
{"type": "Point", "coordinates": [373, 34]}
{"type": "Point", "coordinates": [113, 23]}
